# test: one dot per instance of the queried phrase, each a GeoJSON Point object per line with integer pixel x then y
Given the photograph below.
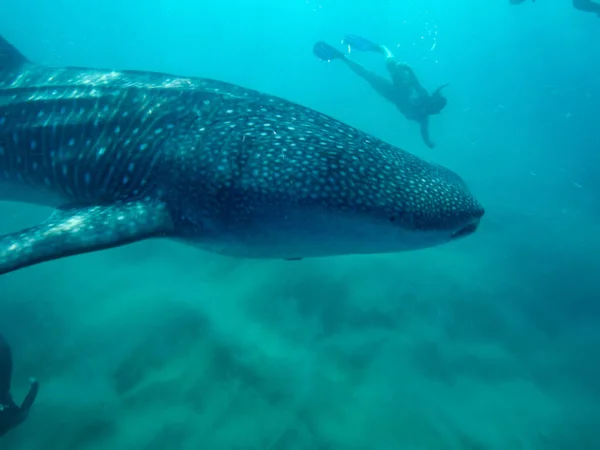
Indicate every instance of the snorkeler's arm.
{"type": "Point", "coordinates": [12, 415]}
{"type": "Point", "coordinates": [23, 411]}
{"type": "Point", "coordinates": [30, 397]}
{"type": "Point", "coordinates": [424, 123]}
{"type": "Point", "coordinates": [382, 85]}
{"type": "Point", "coordinates": [6, 366]}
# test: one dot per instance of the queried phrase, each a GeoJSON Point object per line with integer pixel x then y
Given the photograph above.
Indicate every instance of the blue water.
{"type": "Point", "coordinates": [490, 342]}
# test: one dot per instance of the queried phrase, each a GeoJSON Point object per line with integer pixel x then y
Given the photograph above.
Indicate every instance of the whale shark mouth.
{"type": "Point", "coordinates": [466, 231]}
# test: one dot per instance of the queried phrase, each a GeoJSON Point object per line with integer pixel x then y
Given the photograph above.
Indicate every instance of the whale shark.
{"type": "Point", "coordinates": [125, 155]}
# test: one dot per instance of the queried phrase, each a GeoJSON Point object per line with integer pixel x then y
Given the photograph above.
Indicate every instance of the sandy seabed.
{"type": "Point", "coordinates": [486, 343]}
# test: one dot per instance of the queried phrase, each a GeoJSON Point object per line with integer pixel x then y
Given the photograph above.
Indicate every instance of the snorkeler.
{"type": "Point", "coordinates": [587, 6]}
{"type": "Point", "coordinates": [12, 415]}
{"type": "Point", "coordinates": [592, 6]}
{"type": "Point", "coordinates": [404, 89]}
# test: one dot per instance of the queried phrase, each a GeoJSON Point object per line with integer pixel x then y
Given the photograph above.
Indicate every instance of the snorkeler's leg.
{"type": "Point", "coordinates": [424, 124]}
{"type": "Point", "coordinates": [382, 86]}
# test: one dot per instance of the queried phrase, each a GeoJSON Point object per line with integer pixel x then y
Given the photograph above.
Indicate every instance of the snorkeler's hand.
{"type": "Point", "coordinates": [424, 124]}
{"type": "Point", "coordinates": [12, 415]}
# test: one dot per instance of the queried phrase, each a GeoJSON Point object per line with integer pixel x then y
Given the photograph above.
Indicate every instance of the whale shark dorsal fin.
{"type": "Point", "coordinates": [75, 230]}
{"type": "Point", "coordinates": [10, 56]}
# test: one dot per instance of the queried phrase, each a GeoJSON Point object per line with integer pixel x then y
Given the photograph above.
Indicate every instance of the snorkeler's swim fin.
{"type": "Point", "coordinates": [326, 52]}
{"type": "Point", "coordinates": [360, 43]}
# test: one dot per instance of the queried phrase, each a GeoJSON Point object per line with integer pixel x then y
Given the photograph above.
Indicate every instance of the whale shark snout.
{"type": "Point", "coordinates": [130, 155]}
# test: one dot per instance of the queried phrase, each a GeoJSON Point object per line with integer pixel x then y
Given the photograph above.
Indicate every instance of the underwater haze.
{"type": "Point", "coordinates": [487, 342]}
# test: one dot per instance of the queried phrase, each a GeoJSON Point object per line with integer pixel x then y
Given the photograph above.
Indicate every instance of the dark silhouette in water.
{"type": "Point", "coordinates": [404, 89]}
{"type": "Point", "coordinates": [581, 5]}
{"type": "Point", "coordinates": [587, 6]}
{"type": "Point", "coordinates": [12, 415]}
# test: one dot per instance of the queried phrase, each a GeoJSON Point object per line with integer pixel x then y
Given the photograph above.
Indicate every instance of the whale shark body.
{"type": "Point", "coordinates": [124, 156]}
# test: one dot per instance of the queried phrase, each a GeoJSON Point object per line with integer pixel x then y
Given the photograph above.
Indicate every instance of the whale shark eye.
{"type": "Point", "coordinates": [392, 218]}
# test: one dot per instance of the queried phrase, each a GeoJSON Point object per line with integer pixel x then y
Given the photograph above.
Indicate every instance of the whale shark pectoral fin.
{"type": "Point", "coordinates": [75, 230]}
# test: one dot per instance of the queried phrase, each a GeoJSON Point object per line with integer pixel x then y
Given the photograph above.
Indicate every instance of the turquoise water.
{"type": "Point", "coordinates": [490, 342]}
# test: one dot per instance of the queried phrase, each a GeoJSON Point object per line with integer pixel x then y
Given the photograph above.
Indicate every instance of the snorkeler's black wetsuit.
{"type": "Point", "coordinates": [404, 90]}
{"type": "Point", "coordinates": [11, 415]}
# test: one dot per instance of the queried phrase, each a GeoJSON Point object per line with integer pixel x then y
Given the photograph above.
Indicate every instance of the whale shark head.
{"type": "Point", "coordinates": [302, 184]}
